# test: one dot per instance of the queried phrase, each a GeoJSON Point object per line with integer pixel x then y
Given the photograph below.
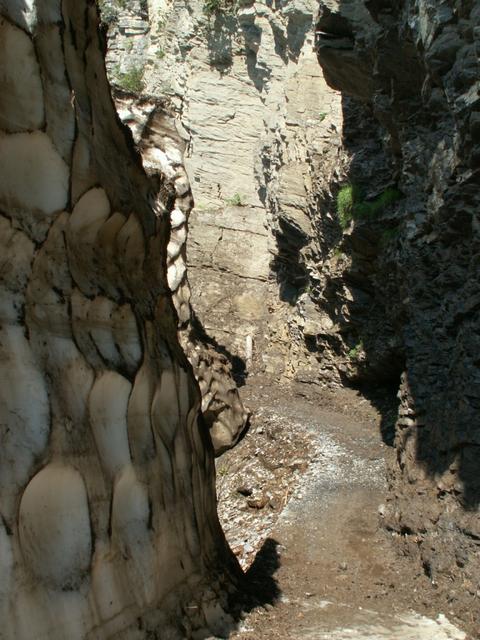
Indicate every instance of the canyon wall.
{"type": "Point", "coordinates": [338, 233]}
{"type": "Point", "coordinates": [108, 524]}
{"type": "Point", "coordinates": [409, 74]}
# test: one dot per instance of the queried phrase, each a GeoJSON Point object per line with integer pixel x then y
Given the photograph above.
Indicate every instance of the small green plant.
{"type": "Point", "coordinates": [160, 54]}
{"type": "Point", "coordinates": [322, 115]}
{"type": "Point", "coordinates": [212, 6]}
{"type": "Point", "coordinates": [236, 200]}
{"type": "Point", "coordinates": [351, 206]}
{"type": "Point", "coordinates": [131, 80]}
{"type": "Point", "coordinates": [356, 352]}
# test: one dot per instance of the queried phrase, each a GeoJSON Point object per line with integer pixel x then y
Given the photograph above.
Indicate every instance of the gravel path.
{"type": "Point", "coordinates": [309, 479]}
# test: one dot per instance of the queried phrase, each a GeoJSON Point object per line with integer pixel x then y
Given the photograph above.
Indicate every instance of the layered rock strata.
{"type": "Point", "coordinates": [108, 522]}
{"type": "Point", "coordinates": [410, 76]}
{"type": "Point", "coordinates": [262, 137]}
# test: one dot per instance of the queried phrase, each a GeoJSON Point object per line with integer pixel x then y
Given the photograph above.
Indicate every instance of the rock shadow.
{"type": "Point", "coordinates": [238, 364]}
{"type": "Point", "coordinates": [414, 308]}
{"type": "Point", "coordinates": [287, 264]}
{"type": "Point", "coordinates": [299, 24]}
{"type": "Point", "coordinates": [220, 35]}
{"type": "Point", "coordinates": [259, 586]}
{"type": "Point", "coordinates": [385, 399]}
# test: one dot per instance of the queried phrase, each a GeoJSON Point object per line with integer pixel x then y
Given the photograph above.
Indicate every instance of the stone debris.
{"type": "Point", "coordinates": [377, 627]}
{"type": "Point", "coordinates": [281, 456]}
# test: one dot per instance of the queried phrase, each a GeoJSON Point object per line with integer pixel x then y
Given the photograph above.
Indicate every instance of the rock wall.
{"type": "Point", "coordinates": [263, 132]}
{"type": "Point", "coordinates": [409, 74]}
{"type": "Point", "coordinates": [108, 523]}
{"type": "Point", "coordinates": [338, 234]}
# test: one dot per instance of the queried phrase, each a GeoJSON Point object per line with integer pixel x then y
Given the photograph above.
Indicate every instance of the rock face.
{"type": "Point", "coordinates": [262, 132]}
{"type": "Point", "coordinates": [409, 74]}
{"type": "Point", "coordinates": [108, 523]}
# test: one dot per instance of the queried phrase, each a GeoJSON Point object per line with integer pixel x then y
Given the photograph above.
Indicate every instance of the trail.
{"type": "Point", "coordinates": [339, 574]}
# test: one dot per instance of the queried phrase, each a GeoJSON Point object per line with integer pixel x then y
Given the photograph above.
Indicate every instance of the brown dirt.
{"type": "Point", "coordinates": [305, 488]}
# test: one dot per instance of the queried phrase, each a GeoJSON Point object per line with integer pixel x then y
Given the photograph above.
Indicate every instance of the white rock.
{"type": "Point", "coordinates": [130, 512]}
{"type": "Point", "coordinates": [175, 273]}
{"type": "Point", "coordinates": [140, 433]}
{"type": "Point", "coordinates": [165, 410]}
{"type": "Point", "coordinates": [125, 333]}
{"type": "Point", "coordinates": [182, 186]}
{"type": "Point", "coordinates": [177, 218]}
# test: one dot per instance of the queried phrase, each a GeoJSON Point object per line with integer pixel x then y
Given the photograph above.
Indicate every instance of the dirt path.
{"type": "Point", "coordinates": [310, 479]}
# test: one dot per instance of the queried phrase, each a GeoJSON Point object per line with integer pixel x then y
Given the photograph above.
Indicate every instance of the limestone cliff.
{"type": "Point", "coordinates": [108, 523]}
{"type": "Point", "coordinates": [409, 74]}
{"type": "Point", "coordinates": [262, 132]}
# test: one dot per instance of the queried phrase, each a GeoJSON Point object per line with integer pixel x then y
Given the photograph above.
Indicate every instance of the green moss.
{"type": "Point", "coordinates": [389, 235]}
{"type": "Point", "coordinates": [375, 207]}
{"type": "Point", "coordinates": [351, 206]}
{"type": "Point", "coordinates": [346, 199]}
{"type": "Point", "coordinates": [131, 80]}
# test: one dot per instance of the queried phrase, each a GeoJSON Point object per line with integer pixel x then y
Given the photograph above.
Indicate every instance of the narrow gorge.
{"type": "Point", "coordinates": [239, 239]}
